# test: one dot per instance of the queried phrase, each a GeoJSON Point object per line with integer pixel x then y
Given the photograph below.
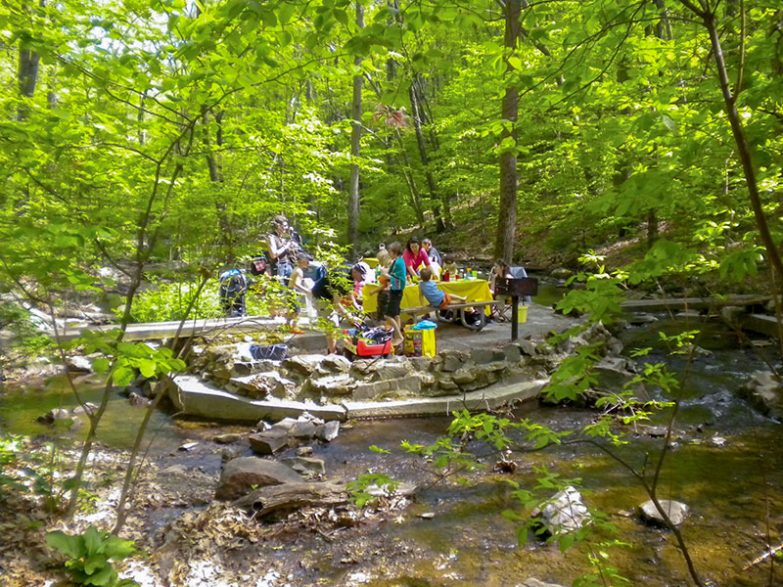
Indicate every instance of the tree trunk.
{"type": "Point", "coordinates": [743, 148]}
{"type": "Point", "coordinates": [507, 206]}
{"type": "Point", "coordinates": [663, 31]}
{"type": "Point", "coordinates": [356, 138]}
{"type": "Point", "coordinates": [394, 18]}
{"type": "Point", "coordinates": [425, 160]}
{"type": "Point", "coordinates": [410, 180]}
{"type": "Point", "coordinates": [216, 177]}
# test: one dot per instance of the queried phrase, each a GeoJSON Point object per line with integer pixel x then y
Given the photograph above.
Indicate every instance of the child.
{"type": "Point", "coordinates": [297, 286]}
{"type": "Point", "coordinates": [360, 274]}
{"type": "Point", "coordinates": [397, 274]}
{"type": "Point", "coordinates": [435, 297]}
{"type": "Point", "coordinates": [383, 294]}
{"type": "Point", "coordinates": [450, 268]}
{"type": "Point", "coordinates": [500, 270]}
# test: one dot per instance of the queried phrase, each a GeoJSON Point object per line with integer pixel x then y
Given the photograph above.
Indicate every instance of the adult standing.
{"type": "Point", "coordinates": [281, 248]}
{"type": "Point", "coordinates": [414, 256]}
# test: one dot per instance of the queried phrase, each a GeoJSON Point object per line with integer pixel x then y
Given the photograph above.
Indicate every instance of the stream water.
{"type": "Point", "coordinates": [726, 464]}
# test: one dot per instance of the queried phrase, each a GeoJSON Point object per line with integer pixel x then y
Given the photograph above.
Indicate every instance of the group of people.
{"type": "Point", "coordinates": [416, 255]}
{"type": "Point", "coordinates": [291, 265]}
{"type": "Point", "coordinates": [418, 261]}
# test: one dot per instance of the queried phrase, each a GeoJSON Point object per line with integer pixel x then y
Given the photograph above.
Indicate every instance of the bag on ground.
{"type": "Point", "coordinates": [271, 352]}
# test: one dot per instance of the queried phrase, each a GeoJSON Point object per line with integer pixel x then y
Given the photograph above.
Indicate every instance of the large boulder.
{"type": "Point", "coordinates": [241, 475]}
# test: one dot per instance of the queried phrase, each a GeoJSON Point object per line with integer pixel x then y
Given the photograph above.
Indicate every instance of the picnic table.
{"type": "Point", "coordinates": [473, 290]}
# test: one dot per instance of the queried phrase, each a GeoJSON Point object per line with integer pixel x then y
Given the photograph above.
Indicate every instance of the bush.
{"type": "Point", "coordinates": [90, 556]}
{"type": "Point", "coordinates": [170, 301]}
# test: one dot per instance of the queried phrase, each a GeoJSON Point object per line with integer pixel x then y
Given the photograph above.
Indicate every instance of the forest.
{"type": "Point", "coordinates": [145, 145]}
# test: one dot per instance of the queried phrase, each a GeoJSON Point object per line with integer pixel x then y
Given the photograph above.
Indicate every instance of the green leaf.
{"type": "Point", "coordinates": [95, 562]}
{"type": "Point", "coordinates": [148, 367]}
{"type": "Point", "coordinates": [93, 541]}
{"type": "Point", "coordinates": [101, 365]}
{"type": "Point", "coordinates": [123, 376]}
{"type": "Point", "coordinates": [70, 546]}
{"type": "Point", "coordinates": [107, 576]}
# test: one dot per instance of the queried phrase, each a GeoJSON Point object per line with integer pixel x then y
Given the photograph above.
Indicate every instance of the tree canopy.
{"type": "Point", "coordinates": [165, 129]}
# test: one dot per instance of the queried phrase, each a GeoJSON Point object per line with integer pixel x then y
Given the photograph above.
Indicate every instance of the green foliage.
{"type": "Point", "coordinates": [169, 302]}
{"type": "Point", "coordinates": [122, 359]}
{"type": "Point", "coordinates": [574, 376]}
{"type": "Point", "coordinates": [25, 336]}
{"type": "Point", "coordinates": [91, 556]}
{"type": "Point", "coordinates": [601, 297]}
{"type": "Point", "coordinates": [370, 487]}
{"type": "Point", "coordinates": [35, 472]}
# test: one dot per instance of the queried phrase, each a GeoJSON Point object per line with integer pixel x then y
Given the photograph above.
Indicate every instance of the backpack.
{"type": "Point", "coordinates": [317, 272]}
{"type": "Point", "coordinates": [233, 286]}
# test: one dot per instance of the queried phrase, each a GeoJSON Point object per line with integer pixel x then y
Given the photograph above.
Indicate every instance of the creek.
{"type": "Point", "coordinates": [726, 464]}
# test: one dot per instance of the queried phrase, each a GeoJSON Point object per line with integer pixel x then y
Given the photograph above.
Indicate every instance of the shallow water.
{"type": "Point", "coordinates": [735, 491]}
{"type": "Point", "coordinates": [19, 411]}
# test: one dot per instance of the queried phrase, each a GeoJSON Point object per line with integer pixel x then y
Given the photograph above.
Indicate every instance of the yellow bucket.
{"type": "Point", "coordinates": [521, 314]}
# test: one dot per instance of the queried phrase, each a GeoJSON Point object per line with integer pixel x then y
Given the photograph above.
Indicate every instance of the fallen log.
{"type": "Point", "coordinates": [292, 496]}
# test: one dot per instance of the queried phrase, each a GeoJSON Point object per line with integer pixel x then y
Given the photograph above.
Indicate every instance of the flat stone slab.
{"type": "Point", "coordinates": [192, 396]}
{"type": "Point", "coordinates": [682, 304]}
{"type": "Point", "coordinates": [482, 399]}
{"type": "Point", "coordinates": [159, 330]}
{"type": "Point", "coordinates": [761, 323]}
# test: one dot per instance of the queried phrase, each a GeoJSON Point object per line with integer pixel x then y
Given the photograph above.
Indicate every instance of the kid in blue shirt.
{"type": "Point", "coordinates": [428, 290]}
{"type": "Point", "coordinates": [397, 274]}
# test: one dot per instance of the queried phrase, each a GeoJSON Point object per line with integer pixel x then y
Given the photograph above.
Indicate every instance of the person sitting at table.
{"type": "Point", "coordinates": [500, 270]}
{"type": "Point", "coordinates": [432, 252]}
{"type": "Point", "coordinates": [436, 298]}
{"type": "Point", "coordinates": [450, 268]}
{"type": "Point", "coordinates": [436, 261]}
{"type": "Point", "coordinates": [414, 256]}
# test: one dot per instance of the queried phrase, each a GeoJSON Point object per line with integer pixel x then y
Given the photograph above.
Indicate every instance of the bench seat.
{"type": "Point", "coordinates": [461, 307]}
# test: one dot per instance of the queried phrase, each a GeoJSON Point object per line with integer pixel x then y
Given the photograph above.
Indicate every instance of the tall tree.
{"type": "Point", "coordinates": [356, 141]}
{"type": "Point", "coordinates": [507, 204]}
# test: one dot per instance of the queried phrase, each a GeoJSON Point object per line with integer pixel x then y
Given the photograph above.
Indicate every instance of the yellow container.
{"type": "Point", "coordinates": [521, 314]}
{"type": "Point", "coordinates": [419, 343]}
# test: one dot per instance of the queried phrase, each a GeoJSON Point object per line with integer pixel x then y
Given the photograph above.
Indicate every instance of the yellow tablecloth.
{"type": "Point", "coordinates": [474, 290]}
{"type": "Point", "coordinates": [371, 261]}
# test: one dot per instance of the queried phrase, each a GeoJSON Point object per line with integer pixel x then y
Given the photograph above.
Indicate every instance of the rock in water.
{"type": "Point", "coordinates": [564, 513]}
{"type": "Point", "coordinates": [242, 474]}
{"type": "Point", "coordinates": [676, 511]}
